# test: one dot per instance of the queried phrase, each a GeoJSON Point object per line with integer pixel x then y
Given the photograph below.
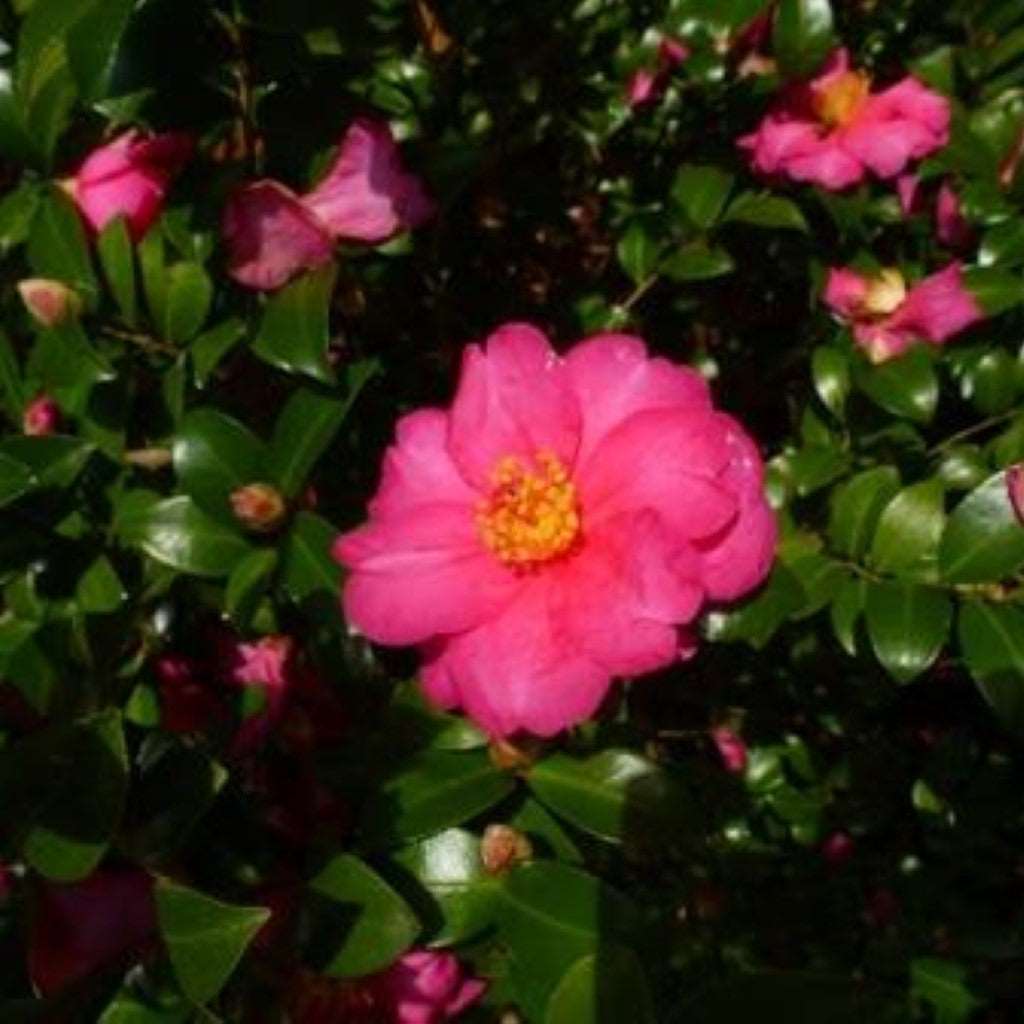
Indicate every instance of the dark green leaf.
{"type": "Point", "coordinates": [762, 210]}
{"type": "Point", "coordinates": [846, 610]}
{"type": "Point", "coordinates": [307, 567]}
{"type": "Point", "coordinates": [984, 540]}
{"type": "Point", "coordinates": [696, 262]}
{"type": "Point", "coordinates": [118, 262]}
{"type": "Point", "coordinates": [905, 387]}
{"type": "Point", "coordinates": [210, 347]}
{"type": "Point", "coordinates": [995, 290]}
{"type": "Point", "coordinates": [57, 246]}
{"type": "Point", "coordinates": [189, 292]}
{"type": "Point", "coordinates": [247, 583]}
{"type": "Point", "coordinates": [100, 590]}
{"type": "Point", "coordinates": [943, 985]}
{"type": "Point", "coordinates": [908, 625]}
{"type": "Point", "coordinates": [637, 251]}
{"type": "Point", "coordinates": [856, 507]}
{"type": "Point", "coordinates": [803, 36]}
{"type": "Point", "coordinates": [92, 45]}
{"type": "Point", "coordinates": [607, 987]}
{"type": "Point", "coordinates": [16, 479]}
{"type": "Point", "coordinates": [55, 461]}
{"type": "Point", "coordinates": [701, 192]}
{"type": "Point", "coordinates": [992, 645]}
{"type": "Point", "coordinates": [831, 371]}
{"type": "Point", "coordinates": [909, 530]}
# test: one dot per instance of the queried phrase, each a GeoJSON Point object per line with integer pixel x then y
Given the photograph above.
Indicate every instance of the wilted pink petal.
{"type": "Point", "coordinates": [367, 194]}
{"type": "Point", "coordinates": [129, 177]}
{"type": "Point", "coordinates": [271, 236]}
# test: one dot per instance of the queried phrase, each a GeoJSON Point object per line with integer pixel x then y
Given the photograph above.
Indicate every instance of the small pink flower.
{"type": "Point", "coordinates": [833, 130]}
{"type": "Point", "coordinates": [646, 85]}
{"type": "Point", "coordinates": [80, 928]}
{"type": "Point", "coordinates": [837, 848]}
{"type": "Point", "coordinates": [265, 665]}
{"type": "Point", "coordinates": [731, 749]}
{"type": "Point", "coordinates": [129, 177]}
{"type": "Point", "coordinates": [642, 87]}
{"type": "Point", "coordinates": [1015, 489]}
{"type": "Point", "coordinates": [887, 318]}
{"type": "Point", "coordinates": [50, 303]}
{"type": "Point", "coordinates": [426, 987]}
{"type": "Point", "coordinates": [272, 234]}
{"type": "Point", "coordinates": [41, 417]}
{"type": "Point", "coordinates": [555, 528]}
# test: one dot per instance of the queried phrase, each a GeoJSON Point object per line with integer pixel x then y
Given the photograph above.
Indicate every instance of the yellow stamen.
{"type": "Point", "coordinates": [530, 517]}
{"type": "Point", "coordinates": [885, 293]}
{"type": "Point", "coordinates": [840, 101]}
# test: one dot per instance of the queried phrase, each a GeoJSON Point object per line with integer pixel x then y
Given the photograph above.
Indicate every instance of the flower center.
{"type": "Point", "coordinates": [885, 293]}
{"type": "Point", "coordinates": [840, 101]}
{"type": "Point", "coordinates": [529, 517]}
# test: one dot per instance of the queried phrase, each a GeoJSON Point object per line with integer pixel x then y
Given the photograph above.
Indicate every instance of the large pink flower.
{"type": "Point", "coordinates": [556, 527]}
{"type": "Point", "coordinates": [833, 130]}
{"type": "Point", "coordinates": [129, 177]}
{"type": "Point", "coordinates": [887, 318]}
{"type": "Point", "coordinates": [272, 234]}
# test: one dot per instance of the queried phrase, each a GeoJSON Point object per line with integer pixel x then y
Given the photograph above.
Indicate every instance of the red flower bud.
{"type": "Point", "coordinates": [41, 417]}
{"type": "Point", "coordinates": [502, 848]}
{"type": "Point", "coordinates": [259, 507]}
{"type": "Point", "coordinates": [50, 303]}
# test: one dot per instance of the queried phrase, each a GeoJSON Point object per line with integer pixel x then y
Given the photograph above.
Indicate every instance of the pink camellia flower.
{"type": "Point", "coordinates": [833, 129]}
{"type": "Point", "coordinates": [887, 317]}
{"type": "Point", "coordinates": [272, 234]}
{"type": "Point", "coordinates": [646, 85]}
{"type": "Point", "coordinates": [83, 927]}
{"type": "Point", "coordinates": [1015, 489]}
{"type": "Point", "coordinates": [556, 527]}
{"type": "Point", "coordinates": [41, 417]}
{"type": "Point", "coordinates": [129, 177]}
{"type": "Point", "coordinates": [731, 749]}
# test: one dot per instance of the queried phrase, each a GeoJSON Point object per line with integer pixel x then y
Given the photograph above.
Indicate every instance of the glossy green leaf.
{"type": "Point", "coordinates": [616, 795]}
{"type": "Point", "coordinates": [906, 386]}
{"type": "Point", "coordinates": [697, 262]}
{"type": "Point", "coordinates": [294, 332]}
{"type": "Point", "coordinates": [803, 36]}
{"type": "Point", "coordinates": [210, 347]}
{"type": "Point", "coordinates": [984, 540]}
{"type": "Point", "coordinates": [909, 530]}
{"type": "Point", "coordinates": [100, 590]}
{"type": "Point", "coordinates": [701, 191]}
{"type": "Point", "coordinates": [361, 924]}
{"type": "Point", "coordinates": [307, 567]}
{"type": "Point", "coordinates": [92, 45]}
{"type": "Point", "coordinates": [308, 423]}
{"type": "Point", "coordinates": [606, 987]}
{"type": "Point", "coordinates": [205, 938]}
{"type": "Point", "coordinates": [152, 264]}
{"type": "Point", "coordinates": [177, 533]}
{"type": "Point", "coordinates": [16, 479]}
{"type": "Point", "coordinates": [845, 612]}
{"type": "Point", "coordinates": [187, 299]}
{"type": "Point", "coordinates": [55, 461]}
{"type": "Point", "coordinates": [830, 369]}
{"type": "Point", "coordinates": [992, 645]}
{"type": "Point", "coordinates": [57, 246]}
{"type": "Point", "coordinates": [62, 791]}
{"type": "Point", "coordinates": [433, 791]}
{"type": "Point", "coordinates": [995, 290]}
{"type": "Point", "coordinates": [637, 252]}
{"type": "Point", "coordinates": [856, 507]}
{"type": "Point", "coordinates": [118, 261]}
{"type": "Point", "coordinates": [247, 583]}
{"type": "Point", "coordinates": [908, 625]}
{"type": "Point", "coordinates": [756, 620]}
{"type": "Point", "coordinates": [762, 210]}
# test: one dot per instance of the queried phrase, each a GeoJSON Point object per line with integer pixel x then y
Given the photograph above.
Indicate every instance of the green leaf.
{"type": "Point", "coordinates": [909, 530]}
{"type": "Point", "coordinates": [307, 425]}
{"type": "Point", "coordinates": [701, 192]}
{"type": "Point", "coordinates": [118, 261]}
{"type": "Point", "coordinates": [177, 533]}
{"type": "Point", "coordinates": [696, 262]}
{"type": "Point", "coordinates": [830, 369]}
{"type": "Point", "coordinates": [908, 625]}
{"type": "Point", "coordinates": [132, 1008]}
{"type": "Point", "coordinates": [62, 791]}
{"type": "Point", "coordinates": [213, 456]}
{"type": "Point", "coordinates": [856, 507]}
{"type": "Point", "coordinates": [16, 479]}
{"type": "Point", "coordinates": [187, 299]}
{"type": "Point", "coordinates": [205, 938]}
{"type": "Point", "coordinates": [65, 364]}
{"type": "Point", "coordinates": [637, 251]}
{"type": "Point", "coordinates": [803, 36]}
{"type": "Point", "coordinates": [992, 645]}
{"type": "Point", "coordinates": [984, 540]}
{"type": "Point", "coordinates": [92, 45]}
{"type": "Point", "coordinates": [615, 795]}
{"type": "Point", "coordinates": [607, 987]}
{"type": "Point", "coordinates": [154, 275]}
{"type": "Point", "coordinates": [210, 347]}
{"type": "Point", "coordinates": [57, 245]}
{"type": "Point", "coordinates": [943, 985]}
{"type": "Point", "coordinates": [449, 867]}
{"type": "Point", "coordinates": [361, 923]}
{"type": "Point", "coordinates": [55, 461]}
{"type": "Point", "coordinates": [756, 620]}
{"type": "Point", "coordinates": [12, 391]}
{"type": "Point", "coordinates": [991, 383]}
{"type": "Point", "coordinates": [307, 567]}
{"type": "Point", "coordinates": [761, 210]}
{"type": "Point", "coordinates": [247, 584]}
{"type": "Point", "coordinates": [995, 290]}
{"type": "Point", "coordinates": [100, 590]}
{"type": "Point", "coordinates": [433, 791]}
{"type": "Point", "coordinates": [846, 610]}
{"type": "Point", "coordinates": [17, 209]}
{"type": "Point", "coordinates": [294, 332]}
{"type": "Point", "coordinates": [906, 386]}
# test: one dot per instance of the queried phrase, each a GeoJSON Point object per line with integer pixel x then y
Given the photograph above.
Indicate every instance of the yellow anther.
{"type": "Point", "coordinates": [532, 514]}
{"type": "Point", "coordinates": [885, 293]}
{"type": "Point", "coordinates": [840, 101]}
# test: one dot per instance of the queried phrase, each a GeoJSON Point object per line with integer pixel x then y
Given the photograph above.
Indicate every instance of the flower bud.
{"type": "Point", "coordinates": [258, 507]}
{"type": "Point", "coordinates": [50, 303]}
{"type": "Point", "coordinates": [731, 749]}
{"type": "Point", "coordinates": [502, 848]}
{"type": "Point", "coordinates": [1015, 489]}
{"type": "Point", "coordinates": [41, 417]}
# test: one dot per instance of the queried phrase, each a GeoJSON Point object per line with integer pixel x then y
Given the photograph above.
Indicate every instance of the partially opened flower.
{"type": "Point", "coordinates": [129, 177]}
{"type": "Point", "coordinates": [272, 234]}
{"type": "Point", "coordinates": [556, 527]}
{"type": "Point", "coordinates": [647, 85]}
{"type": "Point", "coordinates": [887, 317]}
{"type": "Point", "coordinates": [833, 130]}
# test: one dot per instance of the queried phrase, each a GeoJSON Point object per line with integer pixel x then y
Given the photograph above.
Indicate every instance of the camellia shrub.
{"type": "Point", "coordinates": [512, 511]}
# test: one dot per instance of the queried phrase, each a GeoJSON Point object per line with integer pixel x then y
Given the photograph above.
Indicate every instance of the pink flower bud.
{"type": "Point", "coordinates": [50, 303]}
{"type": "Point", "coordinates": [672, 53]}
{"type": "Point", "coordinates": [1015, 489]}
{"type": "Point", "coordinates": [129, 177]}
{"type": "Point", "coordinates": [837, 848]}
{"type": "Point", "coordinates": [732, 750]}
{"type": "Point", "coordinates": [259, 507]}
{"type": "Point", "coordinates": [502, 848]}
{"type": "Point", "coordinates": [951, 227]}
{"type": "Point", "coordinates": [41, 417]}
{"type": "Point", "coordinates": [426, 987]}
{"type": "Point", "coordinates": [642, 88]}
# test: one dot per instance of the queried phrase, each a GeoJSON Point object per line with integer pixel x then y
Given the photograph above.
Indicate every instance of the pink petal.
{"type": "Point", "coordinates": [911, 100]}
{"type": "Point", "coordinates": [937, 307]}
{"type": "Point", "coordinates": [471, 991]}
{"type": "Point", "coordinates": [663, 460]}
{"type": "Point", "coordinates": [886, 145]}
{"type": "Point", "coordinates": [422, 574]}
{"type": "Point", "coordinates": [1015, 489]}
{"type": "Point", "coordinates": [780, 140]}
{"type": "Point", "coordinates": [367, 194]}
{"type": "Point", "coordinates": [845, 291]}
{"type": "Point", "coordinates": [642, 88]}
{"type": "Point", "coordinates": [908, 188]}
{"type": "Point", "coordinates": [829, 165]}
{"type": "Point", "coordinates": [883, 342]}
{"type": "Point", "coordinates": [519, 672]}
{"type": "Point", "coordinates": [418, 469]}
{"type": "Point", "coordinates": [271, 237]}
{"type": "Point", "coordinates": [514, 398]}
{"type": "Point", "coordinates": [613, 377]}
{"type": "Point", "coordinates": [951, 227]}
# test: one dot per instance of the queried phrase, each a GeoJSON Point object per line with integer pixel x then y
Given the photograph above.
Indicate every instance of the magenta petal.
{"type": "Point", "coordinates": [908, 188]}
{"type": "Point", "coordinates": [271, 237]}
{"type": "Point", "coordinates": [1015, 489]}
{"type": "Point", "coordinates": [938, 307]}
{"type": "Point", "coordinates": [367, 194]}
{"type": "Point", "coordinates": [514, 398]}
{"type": "Point", "coordinates": [845, 291]}
{"type": "Point", "coordinates": [828, 164]}
{"type": "Point", "coordinates": [951, 228]}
